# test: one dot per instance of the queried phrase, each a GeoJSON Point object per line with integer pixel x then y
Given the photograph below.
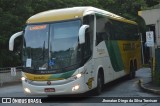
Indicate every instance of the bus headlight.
{"type": "Point", "coordinates": [74, 77]}
{"type": "Point", "coordinates": [23, 78]}
{"type": "Point", "coordinates": [78, 75]}
{"type": "Point", "coordinates": [27, 90]}
{"type": "Point", "coordinates": [26, 80]}
{"type": "Point", "coordinates": [76, 87]}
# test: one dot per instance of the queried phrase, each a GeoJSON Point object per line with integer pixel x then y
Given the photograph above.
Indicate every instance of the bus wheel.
{"type": "Point", "coordinates": [135, 69]}
{"type": "Point", "coordinates": [98, 89]}
{"type": "Point", "coordinates": [132, 72]}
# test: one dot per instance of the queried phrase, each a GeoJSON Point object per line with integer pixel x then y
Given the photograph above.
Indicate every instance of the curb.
{"type": "Point", "coordinates": [141, 82]}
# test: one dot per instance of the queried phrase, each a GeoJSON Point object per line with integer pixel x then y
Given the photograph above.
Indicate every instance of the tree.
{"type": "Point", "coordinates": [151, 3]}
{"type": "Point", "coordinates": [14, 13]}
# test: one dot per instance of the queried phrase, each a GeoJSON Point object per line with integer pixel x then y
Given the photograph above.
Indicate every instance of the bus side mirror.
{"type": "Point", "coordinates": [11, 40]}
{"type": "Point", "coordinates": [82, 31]}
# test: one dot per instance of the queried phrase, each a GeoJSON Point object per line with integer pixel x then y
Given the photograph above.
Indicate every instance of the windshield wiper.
{"type": "Point", "coordinates": [43, 51]}
{"type": "Point", "coordinates": [42, 56]}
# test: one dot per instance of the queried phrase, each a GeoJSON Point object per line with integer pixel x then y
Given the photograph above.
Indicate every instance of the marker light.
{"type": "Point", "coordinates": [23, 78]}
{"type": "Point", "coordinates": [27, 90]}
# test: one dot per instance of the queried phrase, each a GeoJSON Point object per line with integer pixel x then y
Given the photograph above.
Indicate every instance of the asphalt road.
{"type": "Point", "coordinates": [120, 88]}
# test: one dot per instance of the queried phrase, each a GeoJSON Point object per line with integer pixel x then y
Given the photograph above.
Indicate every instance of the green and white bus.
{"type": "Point", "coordinates": [75, 50]}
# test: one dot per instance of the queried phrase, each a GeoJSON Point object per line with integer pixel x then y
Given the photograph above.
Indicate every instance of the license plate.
{"type": "Point", "coordinates": [49, 90]}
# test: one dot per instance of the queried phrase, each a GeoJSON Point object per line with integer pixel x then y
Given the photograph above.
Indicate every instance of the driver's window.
{"type": "Point", "coordinates": [88, 46]}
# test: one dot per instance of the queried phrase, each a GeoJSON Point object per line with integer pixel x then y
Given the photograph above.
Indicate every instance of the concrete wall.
{"type": "Point", "coordinates": [150, 16]}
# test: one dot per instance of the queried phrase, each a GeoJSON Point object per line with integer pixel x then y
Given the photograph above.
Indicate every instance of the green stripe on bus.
{"type": "Point", "coordinates": [64, 75]}
{"type": "Point", "coordinates": [115, 55]}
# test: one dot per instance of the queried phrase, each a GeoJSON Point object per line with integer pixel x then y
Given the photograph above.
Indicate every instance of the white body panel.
{"type": "Point", "coordinates": [102, 60]}
{"type": "Point", "coordinates": [59, 89]}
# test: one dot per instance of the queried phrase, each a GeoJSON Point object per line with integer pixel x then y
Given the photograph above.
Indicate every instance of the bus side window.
{"type": "Point", "coordinates": [101, 29]}
{"type": "Point", "coordinates": [109, 29]}
{"type": "Point", "coordinates": [100, 37]}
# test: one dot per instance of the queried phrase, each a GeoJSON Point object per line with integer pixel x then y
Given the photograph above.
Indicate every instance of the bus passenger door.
{"type": "Point", "coordinates": [88, 50]}
{"type": "Point", "coordinates": [89, 74]}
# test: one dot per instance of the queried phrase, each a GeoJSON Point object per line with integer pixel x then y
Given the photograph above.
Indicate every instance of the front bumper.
{"type": "Point", "coordinates": [37, 88]}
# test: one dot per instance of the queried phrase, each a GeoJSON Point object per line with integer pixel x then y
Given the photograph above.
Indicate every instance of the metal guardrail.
{"type": "Point", "coordinates": [10, 74]}
{"type": "Point", "coordinates": [7, 69]}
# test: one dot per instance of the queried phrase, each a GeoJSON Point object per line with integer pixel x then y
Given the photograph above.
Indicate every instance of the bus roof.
{"type": "Point", "coordinates": [72, 13]}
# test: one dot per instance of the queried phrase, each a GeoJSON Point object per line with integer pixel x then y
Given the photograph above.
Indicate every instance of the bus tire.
{"type": "Point", "coordinates": [98, 89]}
{"type": "Point", "coordinates": [135, 68]}
{"type": "Point", "coordinates": [132, 72]}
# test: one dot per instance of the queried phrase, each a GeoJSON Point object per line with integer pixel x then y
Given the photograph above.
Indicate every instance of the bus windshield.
{"type": "Point", "coordinates": [51, 48]}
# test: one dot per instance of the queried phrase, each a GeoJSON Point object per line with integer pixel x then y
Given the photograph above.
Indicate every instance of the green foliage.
{"type": "Point", "coordinates": [14, 13]}
{"type": "Point", "coordinates": [151, 3]}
